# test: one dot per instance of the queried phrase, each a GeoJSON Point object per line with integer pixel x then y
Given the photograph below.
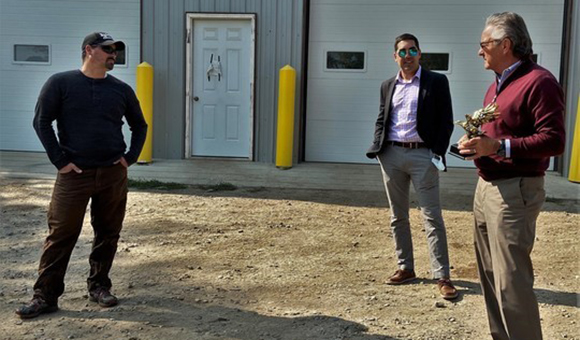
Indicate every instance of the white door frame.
{"type": "Point", "coordinates": [190, 18]}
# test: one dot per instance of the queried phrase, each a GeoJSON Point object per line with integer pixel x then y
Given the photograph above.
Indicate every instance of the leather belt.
{"type": "Point", "coordinates": [408, 145]}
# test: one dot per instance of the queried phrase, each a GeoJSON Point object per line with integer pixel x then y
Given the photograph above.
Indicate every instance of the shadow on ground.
{"type": "Point", "coordinates": [195, 321]}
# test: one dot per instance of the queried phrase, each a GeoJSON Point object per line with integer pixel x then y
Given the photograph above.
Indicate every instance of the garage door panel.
{"type": "Point", "coordinates": [353, 95]}
{"type": "Point", "coordinates": [344, 154]}
{"type": "Point", "coordinates": [342, 106]}
{"type": "Point", "coordinates": [13, 124]}
{"type": "Point", "coordinates": [18, 101]}
{"type": "Point", "coordinates": [342, 131]}
{"type": "Point", "coordinates": [338, 138]}
{"type": "Point", "coordinates": [20, 120]}
{"type": "Point", "coordinates": [347, 108]}
{"type": "Point", "coordinates": [61, 25]}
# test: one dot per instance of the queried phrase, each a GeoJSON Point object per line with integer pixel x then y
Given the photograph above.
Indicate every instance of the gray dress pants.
{"type": "Point", "coordinates": [400, 167]}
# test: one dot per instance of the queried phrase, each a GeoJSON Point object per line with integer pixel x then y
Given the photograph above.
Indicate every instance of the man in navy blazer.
{"type": "Point", "coordinates": [412, 134]}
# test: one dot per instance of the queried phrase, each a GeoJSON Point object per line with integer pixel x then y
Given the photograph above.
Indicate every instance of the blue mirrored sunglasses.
{"type": "Point", "coordinates": [413, 52]}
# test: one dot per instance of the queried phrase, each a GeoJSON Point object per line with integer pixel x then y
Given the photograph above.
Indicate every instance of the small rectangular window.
{"type": "Point", "coordinates": [32, 54]}
{"type": "Point", "coordinates": [121, 57]}
{"type": "Point", "coordinates": [342, 60]}
{"type": "Point", "coordinates": [435, 61]}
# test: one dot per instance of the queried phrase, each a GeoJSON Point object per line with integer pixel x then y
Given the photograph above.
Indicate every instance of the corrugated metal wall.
{"type": "Point", "coordinates": [278, 42]}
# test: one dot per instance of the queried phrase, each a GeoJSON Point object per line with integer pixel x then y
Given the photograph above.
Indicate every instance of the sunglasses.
{"type": "Point", "coordinates": [109, 49]}
{"type": "Point", "coordinates": [413, 52]}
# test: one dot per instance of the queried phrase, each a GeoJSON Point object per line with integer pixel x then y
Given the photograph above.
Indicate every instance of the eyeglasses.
{"type": "Point", "coordinates": [485, 43]}
{"type": "Point", "coordinates": [413, 52]}
{"type": "Point", "coordinates": [109, 49]}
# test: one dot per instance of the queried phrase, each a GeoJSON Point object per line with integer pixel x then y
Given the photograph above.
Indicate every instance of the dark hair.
{"type": "Point", "coordinates": [511, 25]}
{"type": "Point", "coordinates": [406, 36]}
{"type": "Point", "coordinates": [84, 53]}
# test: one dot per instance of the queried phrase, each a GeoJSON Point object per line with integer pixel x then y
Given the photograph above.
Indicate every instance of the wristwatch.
{"type": "Point", "coordinates": [501, 151]}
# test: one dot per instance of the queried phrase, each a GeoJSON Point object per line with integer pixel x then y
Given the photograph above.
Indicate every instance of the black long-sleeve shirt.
{"type": "Point", "coordinates": [88, 114]}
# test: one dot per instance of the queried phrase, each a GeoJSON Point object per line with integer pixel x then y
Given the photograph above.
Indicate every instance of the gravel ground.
{"type": "Point", "coordinates": [200, 263]}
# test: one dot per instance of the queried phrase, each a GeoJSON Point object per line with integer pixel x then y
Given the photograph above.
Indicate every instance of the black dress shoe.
{"type": "Point", "coordinates": [103, 297]}
{"type": "Point", "coordinates": [34, 308]}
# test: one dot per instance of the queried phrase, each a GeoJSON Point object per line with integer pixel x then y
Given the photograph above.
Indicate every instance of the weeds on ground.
{"type": "Point", "coordinates": [155, 184]}
{"type": "Point", "coordinates": [222, 186]}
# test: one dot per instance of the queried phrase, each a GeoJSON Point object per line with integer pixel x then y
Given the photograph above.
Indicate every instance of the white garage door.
{"type": "Point", "coordinates": [342, 104]}
{"type": "Point", "coordinates": [41, 38]}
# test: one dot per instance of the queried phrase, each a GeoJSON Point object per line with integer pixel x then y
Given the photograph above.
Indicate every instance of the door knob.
{"type": "Point", "coordinates": [196, 98]}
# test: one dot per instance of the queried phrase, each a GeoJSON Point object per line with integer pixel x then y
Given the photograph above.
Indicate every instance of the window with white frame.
{"type": "Point", "coordinates": [435, 61]}
{"type": "Point", "coordinates": [345, 61]}
{"type": "Point", "coordinates": [121, 57]}
{"type": "Point", "coordinates": [32, 54]}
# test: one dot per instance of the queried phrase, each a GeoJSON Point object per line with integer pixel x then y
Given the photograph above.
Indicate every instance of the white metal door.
{"type": "Point", "coordinates": [221, 94]}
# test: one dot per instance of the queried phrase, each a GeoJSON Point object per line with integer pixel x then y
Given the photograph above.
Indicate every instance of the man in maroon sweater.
{"type": "Point", "coordinates": [511, 158]}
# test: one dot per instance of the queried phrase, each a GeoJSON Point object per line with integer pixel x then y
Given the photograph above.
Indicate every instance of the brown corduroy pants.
{"type": "Point", "coordinates": [106, 188]}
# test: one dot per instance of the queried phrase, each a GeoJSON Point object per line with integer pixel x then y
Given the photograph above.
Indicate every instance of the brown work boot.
{"type": "Point", "coordinates": [103, 297]}
{"type": "Point", "coordinates": [402, 276]}
{"type": "Point", "coordinates": [446, 289]}
{"type": "Point", "coordinates": [35, 307]}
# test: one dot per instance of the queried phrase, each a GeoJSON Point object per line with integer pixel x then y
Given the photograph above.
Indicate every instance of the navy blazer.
{"type": "Point", "coordinates": [434, 113]}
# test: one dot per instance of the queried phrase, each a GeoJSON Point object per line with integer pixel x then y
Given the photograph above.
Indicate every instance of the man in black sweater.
{"type": "Point", "coordinates": [89, 153]}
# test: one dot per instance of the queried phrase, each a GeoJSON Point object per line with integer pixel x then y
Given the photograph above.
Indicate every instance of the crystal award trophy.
{"type": "Point", "coordinates": [471, 125]}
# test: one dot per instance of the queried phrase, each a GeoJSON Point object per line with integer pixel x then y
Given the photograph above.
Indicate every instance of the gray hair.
{"type": "Point", "coordinates": [511, 25]}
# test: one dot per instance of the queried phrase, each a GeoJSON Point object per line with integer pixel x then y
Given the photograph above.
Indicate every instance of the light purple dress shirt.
{"type": "Point", "coordinates": [403, 117]}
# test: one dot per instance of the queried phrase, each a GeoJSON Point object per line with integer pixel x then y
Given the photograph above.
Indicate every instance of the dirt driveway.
{"type": "Point", "coordinates": [253, 264]}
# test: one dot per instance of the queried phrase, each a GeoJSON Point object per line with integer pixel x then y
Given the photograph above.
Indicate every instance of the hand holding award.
{"type": "Point", "coordinates": [472, 125]}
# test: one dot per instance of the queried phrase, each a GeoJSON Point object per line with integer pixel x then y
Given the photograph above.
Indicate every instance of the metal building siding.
{"type": "Point", "coordinates": [278, 42]}
{"type": "Point", "coordinates": [62, 24]}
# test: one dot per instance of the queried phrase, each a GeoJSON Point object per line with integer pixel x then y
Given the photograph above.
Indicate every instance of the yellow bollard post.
{"type": "Point", "coordinates": [145, 96]}
{"type": "Point", "coordinates": [285, 134]}
{"type": "Point", "coordinates": [574, 175]}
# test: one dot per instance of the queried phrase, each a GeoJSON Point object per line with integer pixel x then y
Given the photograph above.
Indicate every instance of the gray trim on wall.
{"type": "Point", "coordinates": [300, 155]}
{"type": "Point", "coordinates": [570, 78]}
{"type": "Point", "coordinates": [565, 64]}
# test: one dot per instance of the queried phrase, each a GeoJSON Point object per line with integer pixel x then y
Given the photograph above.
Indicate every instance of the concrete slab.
{"type": "Point", "coordinates": [324, 176]}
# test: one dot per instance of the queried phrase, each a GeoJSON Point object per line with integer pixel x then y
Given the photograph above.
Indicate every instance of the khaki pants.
{"type": "Point", "coordinates": [106, 187]}
{"type": "Point", "coordinates": [401, 167]}
{"type": "Point", "coordinates": [505, 214]}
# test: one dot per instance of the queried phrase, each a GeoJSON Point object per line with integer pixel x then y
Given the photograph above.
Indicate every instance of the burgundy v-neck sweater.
{"type": "Point", "coordinates": [531, 105]}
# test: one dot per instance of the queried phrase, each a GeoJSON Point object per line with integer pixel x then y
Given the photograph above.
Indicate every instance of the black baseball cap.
{"type": "Point", "coordinates": [102, 39]}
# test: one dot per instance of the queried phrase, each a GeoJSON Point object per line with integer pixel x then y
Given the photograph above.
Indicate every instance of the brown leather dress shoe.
{"type": "Point", "coordinates": [103, 297]}
{"type": "Point", "coordinates": [34, 308]}
{"type": "Point", "coordinates": [402, 276]}
{"type": "Point", "coordinates": [446, 289]}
